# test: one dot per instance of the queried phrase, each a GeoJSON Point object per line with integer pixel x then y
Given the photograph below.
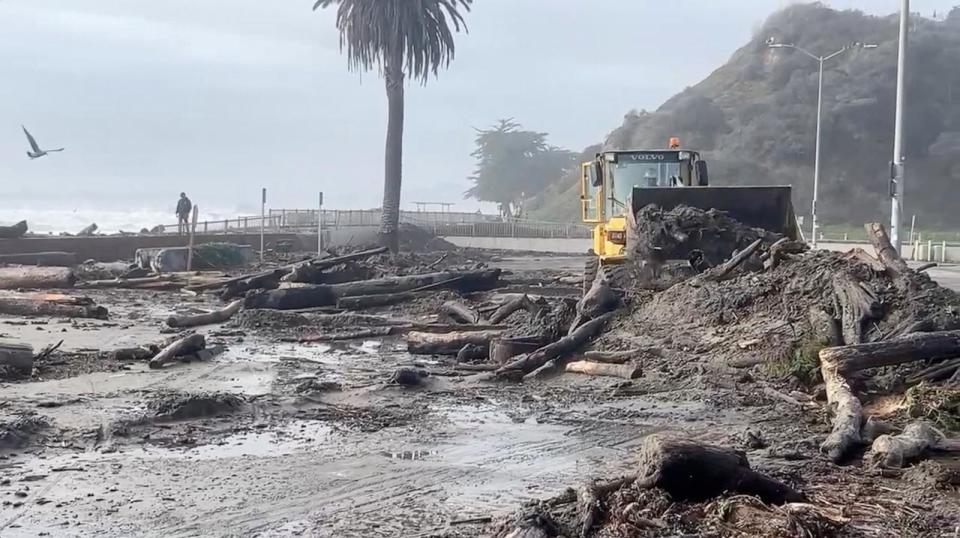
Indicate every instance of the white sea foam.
{"type": "Point", "coordinates": [111, 220]}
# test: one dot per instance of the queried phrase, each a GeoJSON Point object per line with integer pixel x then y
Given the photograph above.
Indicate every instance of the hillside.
{"type": "Point", "coordinates": [755, 117]}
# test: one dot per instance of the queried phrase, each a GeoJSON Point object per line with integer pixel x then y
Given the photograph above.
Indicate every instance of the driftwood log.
{"type": "Point", "coordinates": [311, 271]}
{"type": "Point", "coordinates": [888, 255]}
{"type": "Point", "coordinates": [690, 471]}
{"type": "Point", "coordinates": [186, 345]}
{"type": "Point", "coordinates": [564, 346]}
{"type": "Point", "coordinates": [13, 232]}
{"type": "Point", "coordinates": [508, 308]}
{"type": "Point", "coordinates": [362, 302]}
{"type": "Point", "coordinates": [723, 272]}
{"type": "Point", "coordinates": [918, 438]}
{"type": "Point", "coordinates": [914, 347]}
{"type": "Point", "coordinates": [618, 357]}
{"type": "Point", "coordinates": [36, 278]}
{"type": "Point", "coordinates": [503, 349]}
{"type": "Point", "coordinates": [461, 313]}
{"type": "Point", "coordinates": [859, 305]}
{"type": "Point", "coordinates": [217, 316]}
{"type": "Point", "coordinates": [49, 259]}
{"type": "Point", "coordinates": [88, 231]}
{"type": "Point", "coordinates": [425, 343]}
{"type": "Point", "coordinates": [56, 307]}
{"type": "Point", "coordinates": [18, 357]}
{"type": "Point", "coordinates": [623, 371]}
{"type": "Point", "coordinates": [847, 411]}
{"type": "Point", "coordinates": [164, 281]}
{"type": "Point", "coordinates": [327, 295]}
{"type": "Point", "coordinates": [472, 352]}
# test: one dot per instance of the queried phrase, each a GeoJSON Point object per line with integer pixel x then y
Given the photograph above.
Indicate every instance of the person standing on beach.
{"type": "Point", "coordinates": [184, 206]}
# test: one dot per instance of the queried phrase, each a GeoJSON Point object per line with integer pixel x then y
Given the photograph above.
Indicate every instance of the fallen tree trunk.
{"type": "Point", "coordinates": [896, 451]}
{"type": "Point", "coordinates": [129, 283]}
{"type": "Point", "coordinates": [424, 343]}
{"type": "Point", "coordinates": [461, 313]}
{"type": "Point", "coordinates": [690, 471]}
{"type": "Point", "coordinates": [724, 270]}
{"type": "Point", "coordinates": [362, 302]}
{"type": "Point", "coordinates": [327, 295]}
{"type": "Point", "coordinates": [13, 232]}
{"type": "Point", "coordinates": [186, 345]}
{"type": "Point", "coordinates": [471, 352]}
{"type": "Point", "coordinates": [888, 255]}
{"type": "Point", "coordinates": [847, 411]}
{"type": "Point", "coordinates": [611, 357]}
{"type": "Point", "coordinates": [370, 332]}
{"type": "Point", "coordinates": [269, 280]}
{"type": "Point", "coordinates": [937, 372]}
{"type": "Point", "coordinates": [88, 231]}
{"type": "Point", "coordinates": [623, 371]}
{"type": "Point", "coordinates": [859, 304]}
{"type": "Point", "coordinates": [507, 309]}
{"type": "Point", "coordinates": [327, 263]}
{"type": "Point", "coordinates": [915, 347]}
{"type": "Point", "coordinates": [502, 350]}
{"type": "Point", "coordinates": [311, 271]}
{"type": "Point", "coordinates": [22, 306]}
{"type": "Point", "coordinates": [49, 259]}
{"type": "Point", "coordinates": [36, 277]}
{"type": "Point", "coordinates": [549, 368]}
{"type": "Point", "coordinates": [561, 347]}
{"type": "Point", "coordinates": [17, 357]}
{"type": "Point", "coordinates": [217, 316]}
{"type": "Point", "coordinates": [464, 282]}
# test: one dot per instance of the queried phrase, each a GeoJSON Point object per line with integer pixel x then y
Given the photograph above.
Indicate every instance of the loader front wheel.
{"type": "Point", "coordinates": [590, 269]}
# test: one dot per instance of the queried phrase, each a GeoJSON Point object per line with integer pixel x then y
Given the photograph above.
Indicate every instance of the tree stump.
{"type": "Point", "coordinates": [690, 471]}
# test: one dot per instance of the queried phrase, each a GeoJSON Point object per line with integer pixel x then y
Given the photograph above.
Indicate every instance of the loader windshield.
{"type": "Point", "coordinates": [625, 175]}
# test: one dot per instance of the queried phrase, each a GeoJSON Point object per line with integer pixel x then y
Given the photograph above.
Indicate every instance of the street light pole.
{"type": "Point", "coordinates": [816, 161]}
{"type": "Point", "coordinates": [814, 226]}
{"type": "Point", "coordinates": [899, 167]}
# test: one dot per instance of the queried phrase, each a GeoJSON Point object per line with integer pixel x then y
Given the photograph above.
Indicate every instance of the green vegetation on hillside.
{"type": "Point", "coordinates": [755, 117]}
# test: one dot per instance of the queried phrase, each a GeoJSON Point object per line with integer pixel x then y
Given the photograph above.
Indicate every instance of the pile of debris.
{"type": "Point", "coordinates": [813, 322]}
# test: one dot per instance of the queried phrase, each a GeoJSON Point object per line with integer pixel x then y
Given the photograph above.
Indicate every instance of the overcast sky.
{"type": "Point", "coordinates": [221, 97]}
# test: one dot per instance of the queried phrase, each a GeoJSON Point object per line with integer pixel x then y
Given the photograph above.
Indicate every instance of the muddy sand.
{"type": "Point", "coordinates": [278, 438]}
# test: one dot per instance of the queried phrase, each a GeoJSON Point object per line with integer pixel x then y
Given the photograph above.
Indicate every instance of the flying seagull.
{"type": "Point", "coordinates": [36, 152]}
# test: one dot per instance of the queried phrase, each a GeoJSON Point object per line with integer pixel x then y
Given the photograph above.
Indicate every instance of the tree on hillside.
{"type": "Point", "coordinates": [513, 162]}
{"type": "Point", "coordinates": [401, 38]}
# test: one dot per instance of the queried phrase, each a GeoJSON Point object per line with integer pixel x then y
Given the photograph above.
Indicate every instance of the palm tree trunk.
{"type": "Point", "coordinates": [393, 159]}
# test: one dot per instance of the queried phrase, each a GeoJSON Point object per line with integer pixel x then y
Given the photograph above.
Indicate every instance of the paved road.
{"type": "Point", "coordinates": [948, 276]}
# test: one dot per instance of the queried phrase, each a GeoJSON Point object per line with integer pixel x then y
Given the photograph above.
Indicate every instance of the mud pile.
{"type": "Point", "coordinates": [175, 405]}
{"type": "Point", "coordinates": [673, 234]}
{"type": "Point", "coordinates": [763, 317]}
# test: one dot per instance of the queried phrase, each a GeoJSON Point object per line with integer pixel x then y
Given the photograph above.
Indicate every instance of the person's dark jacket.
{"type": "Point", "coordinates": [183, 207]}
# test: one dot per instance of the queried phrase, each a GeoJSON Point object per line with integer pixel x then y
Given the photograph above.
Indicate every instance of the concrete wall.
{"type": "Point", "coordinates": [116, 247]}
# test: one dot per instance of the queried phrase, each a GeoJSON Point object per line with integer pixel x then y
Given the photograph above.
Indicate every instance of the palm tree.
{"type": "Point", "coordinates": [401, 38]}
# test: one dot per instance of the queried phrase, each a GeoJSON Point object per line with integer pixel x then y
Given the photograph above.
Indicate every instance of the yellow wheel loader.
{"type": "Point", "coordinates": [618, 182]}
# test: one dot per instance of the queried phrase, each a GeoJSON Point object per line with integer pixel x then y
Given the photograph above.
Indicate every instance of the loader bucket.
{"type": "Point", "coordinates": [770, 208]}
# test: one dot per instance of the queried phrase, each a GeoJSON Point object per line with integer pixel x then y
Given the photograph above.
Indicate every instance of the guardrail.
{"type": "Point", "coordinates": [441, 224]}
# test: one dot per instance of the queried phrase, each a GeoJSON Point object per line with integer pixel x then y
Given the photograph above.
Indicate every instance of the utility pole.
{"type": "Point", "coordinates": [898, 168]}
{"type": "Point", "coordinates": [773, 44]}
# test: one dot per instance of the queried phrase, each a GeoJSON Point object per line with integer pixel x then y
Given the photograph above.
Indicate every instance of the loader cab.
{"type": "Point", "coordinates": [609, 180]}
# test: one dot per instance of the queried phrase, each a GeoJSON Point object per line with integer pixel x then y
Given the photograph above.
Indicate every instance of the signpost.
{"type": "Point", "coordinates": [320, 226]}
{"type": "Point", "coordinates": [263, 220]}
